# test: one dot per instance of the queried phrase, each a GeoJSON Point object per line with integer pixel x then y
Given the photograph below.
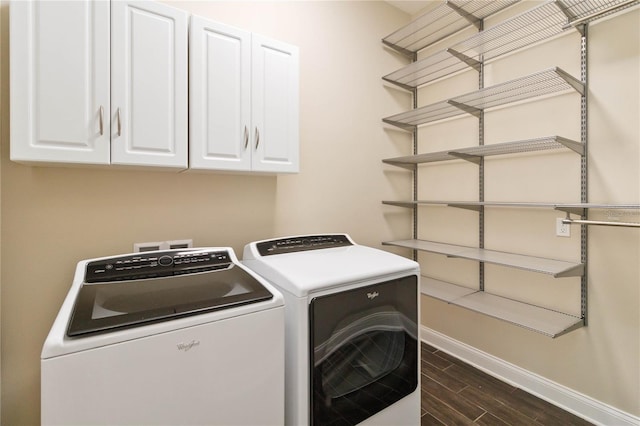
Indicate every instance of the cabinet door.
{"type": "Point", "coordinates": [219, 98]}
{"type": "Point", "coordinates": [149, 84]}
{"type": "Point", "coordinates": [60, 81]}
{"type": "Point", "coordinates": [274, 97]}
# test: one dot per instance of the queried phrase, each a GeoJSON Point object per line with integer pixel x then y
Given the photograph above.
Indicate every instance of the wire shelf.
{"type": "Point", "coordinates": [583, 11]}
{"type": "Point", "coordinates": [529, 27]}
{"type": "Point", "coordinates": [535, 25]}
{"type": "Point", "coordinates": [476, 152]}
{"type": "Point", "coordinates": [553, 80]}
{"type": "Point", "coordinates": [555, 268]}
{"type": "Point", "coordinates": [471, 205]}
{"type": "Point", "coordinates": [446, 19]}
{"type": "Point", "coordinates": [571, 208]}
{"type": "Point", "coordinates": [535, 318]}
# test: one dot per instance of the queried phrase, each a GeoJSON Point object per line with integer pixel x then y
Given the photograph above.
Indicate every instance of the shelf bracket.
{"type": "Point", "coordinates": [473, 20]}
{"type": "Point", "coordinates": [570, 80]}
{"type": "Point", "coordinates": [409, 166]}
{"type": "Point", "coordinates": [401, 85]}
{"type": "Point", "coordinates": [404, 126]}
{"type": "Point", "coordinates": [475, 208]}
{"type": "Point", "coordinates": [405, 52]}
{"type": "Point", "coordinates": [475, 159]}
{"type": "Point", "coordinates": [473, 63]}
{"type": "Point", "coordinates": [576, 326]}
{"type": "Point", "coordinates": [579, 211]}
{"type": "Point", "coordinates": [577, 147]}
{"type": "Point", "coordinates": [570, 16]}
{"type": "Point", "coordinates": [399, 204]}
{"type": "Point", "coordinates": [576, 271]}
{"type": "Point", "coordinates": [466, 108]}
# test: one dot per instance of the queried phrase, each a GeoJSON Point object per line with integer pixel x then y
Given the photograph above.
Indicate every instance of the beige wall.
{"type": "Point", "coordinates": [54, 217]}
{"type": "Point", "coordinates": [601, 360]}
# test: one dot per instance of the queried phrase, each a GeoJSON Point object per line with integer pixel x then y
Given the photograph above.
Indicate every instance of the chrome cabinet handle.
{"type": "Point", "coordinates": [257, 137]}
{"type": "Point", "coordinates": [246, 137]}
{"type": "Point", "coordinates": [119, 123]}
{"type": "Point", "coordinates": [101, 120]}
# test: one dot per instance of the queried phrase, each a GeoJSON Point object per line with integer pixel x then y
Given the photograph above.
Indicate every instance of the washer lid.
{"type": "Point", "coordinates": [134, 290]}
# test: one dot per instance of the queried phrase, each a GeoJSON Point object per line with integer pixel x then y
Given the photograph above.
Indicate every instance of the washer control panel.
{"type": "Point", "coordinates": [302, 243]}
{"type": "Point", "coordinates": [156, 264]}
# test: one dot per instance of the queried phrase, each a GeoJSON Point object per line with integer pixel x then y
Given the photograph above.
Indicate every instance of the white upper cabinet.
{"type": "Point", "coordinates": [274, 112]}
{"type": "Point", "coordinates": [60, 82]}
{"type": "Point", "coordinates": [148, 84]}
{"type": "Point", "coordinates": [243, 100]}
{"type": "Point", "coordinates": [99, 83]}
{"type": "Point", "coordinates": [127, 83]}
{"type": "Point", "coordinates": [220, 96]}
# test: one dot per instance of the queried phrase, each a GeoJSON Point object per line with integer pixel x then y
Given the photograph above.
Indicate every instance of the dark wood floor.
{"type": "Point", "coordinates": [455, 393]}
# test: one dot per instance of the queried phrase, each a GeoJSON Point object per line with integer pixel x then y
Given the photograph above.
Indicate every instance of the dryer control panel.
{"type": "Point", "coordinates": [302, 243]}
{"type": "Point", "coordinates": [156, 264]}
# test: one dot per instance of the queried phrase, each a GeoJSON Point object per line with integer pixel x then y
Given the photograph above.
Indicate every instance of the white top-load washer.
{"type": "Point", "coordinates": [351, 321]}
{"type": "Point", "coordinates": [168, 337]}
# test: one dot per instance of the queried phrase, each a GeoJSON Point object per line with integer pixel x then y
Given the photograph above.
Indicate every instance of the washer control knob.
{"type": "Point", "coordinates": [165, 261]}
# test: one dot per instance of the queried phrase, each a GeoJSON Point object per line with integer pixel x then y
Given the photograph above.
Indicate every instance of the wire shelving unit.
{"type": "Point", "coordinates": [536, 25]}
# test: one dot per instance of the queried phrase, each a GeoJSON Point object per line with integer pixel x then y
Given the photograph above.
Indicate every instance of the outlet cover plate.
{"type": "Point", "coordinates": [562, 229]}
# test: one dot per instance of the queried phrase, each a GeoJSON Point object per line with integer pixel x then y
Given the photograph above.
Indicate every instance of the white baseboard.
{"type": "Point", "coordinates": [569, 400]}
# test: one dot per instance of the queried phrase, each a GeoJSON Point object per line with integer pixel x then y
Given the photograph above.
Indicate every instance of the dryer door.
{"type": "Point", "coordinates": [364, 350]}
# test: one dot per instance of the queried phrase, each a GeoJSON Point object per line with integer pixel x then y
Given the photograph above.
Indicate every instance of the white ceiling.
{"type": "Point", "coordinates": [409, 6]}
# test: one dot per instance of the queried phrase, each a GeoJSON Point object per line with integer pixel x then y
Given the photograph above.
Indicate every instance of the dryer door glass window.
{"type": "Point", "coordinates": [364, 350]}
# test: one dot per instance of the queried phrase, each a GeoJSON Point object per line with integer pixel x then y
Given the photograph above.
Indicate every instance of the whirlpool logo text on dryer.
{"type": "Point", "coordinates": [372, 295]}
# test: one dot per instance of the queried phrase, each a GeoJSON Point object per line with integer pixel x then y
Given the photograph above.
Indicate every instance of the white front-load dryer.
{"type": "Point", "coordinates": [188, 337]}
{"type": "Point", "coordinates": [351, 321]}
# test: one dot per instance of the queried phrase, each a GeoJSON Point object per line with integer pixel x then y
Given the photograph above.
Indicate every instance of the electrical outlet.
{"type": "Point", "coordinates": [562, 229]}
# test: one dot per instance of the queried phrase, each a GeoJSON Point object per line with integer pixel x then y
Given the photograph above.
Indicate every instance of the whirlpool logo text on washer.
{"type": "Point", "coordinates": [187, 346]}
{"type": "Point", "coordinates": [372, 295]}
